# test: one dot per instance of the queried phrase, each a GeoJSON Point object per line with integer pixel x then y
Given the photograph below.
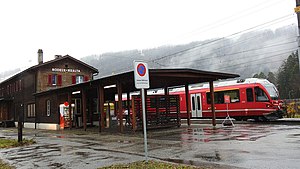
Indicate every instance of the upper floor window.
{"type": "Point", "coordinates": [79, 79]}
{"type": "Point", "coordinates": [76, 79]}
{"type": "Point", "coordinates": [54, 80]}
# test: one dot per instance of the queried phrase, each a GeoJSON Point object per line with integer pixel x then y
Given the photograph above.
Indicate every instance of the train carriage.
{"type": "Point", "coordinates": [247, 99]}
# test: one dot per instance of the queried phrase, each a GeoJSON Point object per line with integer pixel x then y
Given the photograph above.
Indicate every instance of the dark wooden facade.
{"type": "Point", "coordinates": [98, 90]}
{"type": "Point", "coordinates": [17, 93]}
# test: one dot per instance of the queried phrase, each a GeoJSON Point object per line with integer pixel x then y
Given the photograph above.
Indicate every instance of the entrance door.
{"type": "Point", "coordinates": [196, 106]}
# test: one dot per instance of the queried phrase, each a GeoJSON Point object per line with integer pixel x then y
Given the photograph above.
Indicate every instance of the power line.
{"type": "Point", "coordinates": [215, 40]}
{"type": "Point", "coordinates": [224, 21]}
{"type": "Point", "coordinates": [255, 60]}
{"type": "Point", "coordinates": [201, 61]}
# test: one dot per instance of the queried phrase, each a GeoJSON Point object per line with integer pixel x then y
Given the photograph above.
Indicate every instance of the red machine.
{"type": "Point", "coordinates": [249, 99]}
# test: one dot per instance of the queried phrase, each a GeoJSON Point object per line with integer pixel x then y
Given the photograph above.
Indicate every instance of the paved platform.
{"type": "Point", "coordinates": [243, 146]}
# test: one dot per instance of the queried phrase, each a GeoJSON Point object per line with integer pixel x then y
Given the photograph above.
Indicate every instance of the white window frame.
{"type": "Point", "coordinates": [79, 79]}
{"type": "Point", "coordinates": [48, 108]}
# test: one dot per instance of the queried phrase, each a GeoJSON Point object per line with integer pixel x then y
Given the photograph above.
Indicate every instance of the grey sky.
{"type": "Point", "coordinates": [82, 28]}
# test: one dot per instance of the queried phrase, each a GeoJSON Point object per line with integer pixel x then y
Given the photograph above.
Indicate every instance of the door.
{"type": "Point", "coordinates": [196, 106]}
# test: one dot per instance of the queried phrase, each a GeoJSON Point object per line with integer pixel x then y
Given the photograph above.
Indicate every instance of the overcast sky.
{"type": "Point", "coordinates": [87, 27]}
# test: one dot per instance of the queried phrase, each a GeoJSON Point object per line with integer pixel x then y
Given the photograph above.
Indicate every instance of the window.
{"type": "Point", "coordinates": [76, 79]}
{"type": "Point", "coordinates": [48, 104]}
{"type": "Point", "coordinates": [193, 103]}
{"type": "Point", "coordinates": [20, 85]}
{"type": "Point", "coordinates": [79, 79]}
{"type": "Point", "coordinates": [219, 96]}
{"type": "Point", "coordinates": [260, 95]}
{"type": "Point", "coordinates": [31, 110]}
{"type": "Point", "coordinates": [249, 93]}
{"type": "Point", "coordinates": [198, 103]}
{"type": "Point", "coordinates": [54, 80]}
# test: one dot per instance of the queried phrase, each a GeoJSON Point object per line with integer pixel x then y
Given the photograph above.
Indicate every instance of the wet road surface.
{"type": "Point", "coordinates": [244, 146]}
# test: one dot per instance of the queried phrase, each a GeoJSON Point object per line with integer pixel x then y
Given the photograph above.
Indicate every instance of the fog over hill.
{"type": "Point", "coordinates": [245, 54]}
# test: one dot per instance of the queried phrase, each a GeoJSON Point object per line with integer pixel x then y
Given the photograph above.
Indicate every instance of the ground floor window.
{"type": "Point", "coordinates": [48, 108]}
{"type": "Point", "coordinates": [31, 110]}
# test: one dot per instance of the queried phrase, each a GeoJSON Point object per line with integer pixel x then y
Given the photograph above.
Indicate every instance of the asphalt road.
{"type": "Point", "coordinates": [242, 146]}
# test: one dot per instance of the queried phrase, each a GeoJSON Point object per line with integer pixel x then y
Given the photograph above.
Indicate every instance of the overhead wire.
{"type": "Point", "coordinates": [239, 52]}
{"type": "Point", "coordinates": [218, 39]}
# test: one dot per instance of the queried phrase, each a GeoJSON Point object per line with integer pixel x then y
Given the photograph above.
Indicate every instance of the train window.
{"type": "Point", "coordinates": [260, 95]}
{"type": "Point", "coordinates": [198, 103]}
{"type": "Point", "coordinates": [193, 103]}
{"type": "Point", "coordinates": [219, 96]}
{"type": "Point", "coordinates": [249, 92]}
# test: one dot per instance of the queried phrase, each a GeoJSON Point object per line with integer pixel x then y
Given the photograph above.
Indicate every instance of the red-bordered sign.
{"type": "Point", "coordinates": [141, 75]}
{"type": "Point", "coordinates": [141, 69]}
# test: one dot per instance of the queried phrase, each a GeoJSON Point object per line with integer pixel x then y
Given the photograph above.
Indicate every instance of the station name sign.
{"type": "Point", "coordinates": [65, 70]}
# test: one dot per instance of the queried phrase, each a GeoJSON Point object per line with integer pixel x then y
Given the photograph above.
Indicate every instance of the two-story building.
{"type": "Point", "coordinates": [17, 92]}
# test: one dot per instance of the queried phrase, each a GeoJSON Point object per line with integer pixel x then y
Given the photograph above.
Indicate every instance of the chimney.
{"type": "Point", "coordinates": [40, 56]}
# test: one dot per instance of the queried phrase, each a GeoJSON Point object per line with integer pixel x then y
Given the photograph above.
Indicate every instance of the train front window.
{"type": "Point", "coordinates": [260, 95]}
{"type": "Point", "coordinates": [274, 94]}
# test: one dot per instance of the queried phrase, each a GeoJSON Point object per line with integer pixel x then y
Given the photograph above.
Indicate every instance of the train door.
{"type": "Point", "coordinates": [196, 106]}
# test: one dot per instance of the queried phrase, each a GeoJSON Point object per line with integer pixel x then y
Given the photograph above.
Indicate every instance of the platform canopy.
{"type": "Point", "coordinates": [159, 78]}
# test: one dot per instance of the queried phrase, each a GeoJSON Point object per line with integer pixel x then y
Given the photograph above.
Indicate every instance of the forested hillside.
{"type": "Point", "coordinates": [245, 54]}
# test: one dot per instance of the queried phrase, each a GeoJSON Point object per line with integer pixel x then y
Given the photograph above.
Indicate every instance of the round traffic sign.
{"type": "Point", "coordinates": [141, 69]}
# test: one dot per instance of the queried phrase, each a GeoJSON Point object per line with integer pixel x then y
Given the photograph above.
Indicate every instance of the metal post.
{"type": "Point", "coordinates": [298, 37]}
{"type": "Point", "coordinates": [144, 124]}
{"type": "Point", "coordinates": [212, 98]}
{"type": "Point", "coordinates": [187, 100]}
{"type": "Point", "coordinates": [20, 124]}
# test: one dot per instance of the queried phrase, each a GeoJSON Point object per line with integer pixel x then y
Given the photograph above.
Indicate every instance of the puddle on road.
{"type": "Point", "coordinates": [83, 154]}
{"type": "Point", "coordinates": [241, 133]}
{"type": "Point", "coordinates": [124, 141]}
{"type": "Point", "coordinates": [211, 158]}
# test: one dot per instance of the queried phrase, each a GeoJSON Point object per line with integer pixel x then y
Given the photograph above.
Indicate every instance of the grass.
{"type": "Point", "coordinates": [5, 165]}
{"type": "Point", "coordinates": [6, 143]}
{"type": "Point", "coordinates": [151, 165]}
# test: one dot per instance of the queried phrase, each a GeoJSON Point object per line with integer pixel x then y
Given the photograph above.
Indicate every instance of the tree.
{"type": "Point", "coordinates": [260, 75]}
{"type": "Point", "coordinates": [289, 77]}
{"type": "Point", "coordinates": [272, 78]}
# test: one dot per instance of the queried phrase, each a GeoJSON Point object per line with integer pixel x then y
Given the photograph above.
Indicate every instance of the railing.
{"type": "Point", "coordinates": [161, 111]}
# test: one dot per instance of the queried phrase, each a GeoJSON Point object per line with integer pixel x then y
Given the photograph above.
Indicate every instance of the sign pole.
{"type": "Point", "coordinates": [141, 81]}
{"type": "Point", "coordinates": [144, 124]}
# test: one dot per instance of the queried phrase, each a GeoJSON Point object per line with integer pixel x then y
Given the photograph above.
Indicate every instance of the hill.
{"type": "Point", "coordinates": [245, 54]}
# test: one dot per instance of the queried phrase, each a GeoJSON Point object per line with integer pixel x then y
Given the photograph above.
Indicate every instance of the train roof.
{"type": "Point", "coordinates": [225, 83]}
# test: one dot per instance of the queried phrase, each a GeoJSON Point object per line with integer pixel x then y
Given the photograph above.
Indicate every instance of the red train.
{"type": "Point", "coordinates": [251, 98]}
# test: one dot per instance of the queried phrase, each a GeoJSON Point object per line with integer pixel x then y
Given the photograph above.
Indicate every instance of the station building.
{"type": "Point", "coordinates": [17, 92]}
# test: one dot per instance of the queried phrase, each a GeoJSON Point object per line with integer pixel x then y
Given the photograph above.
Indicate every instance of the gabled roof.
{"type": "Point", "coordinates": [53, 61]}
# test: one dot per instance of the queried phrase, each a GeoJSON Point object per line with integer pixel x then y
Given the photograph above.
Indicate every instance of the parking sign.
{"type": "Point", "coordinates": [141, 75]}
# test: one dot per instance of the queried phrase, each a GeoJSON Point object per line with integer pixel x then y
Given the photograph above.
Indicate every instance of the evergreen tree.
{"type": "Point", "coordinates": [289, 77]}
{"type": "Point", "coordinates": [272, 78]}
{"type": "Point", "coordinates": [262, 75]}
{"type": "Point", "coordinates": [255, 75]}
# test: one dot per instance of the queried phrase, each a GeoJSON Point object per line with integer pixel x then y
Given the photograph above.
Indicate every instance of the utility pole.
{"type": "Point", "coordinates": [297, 10]}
